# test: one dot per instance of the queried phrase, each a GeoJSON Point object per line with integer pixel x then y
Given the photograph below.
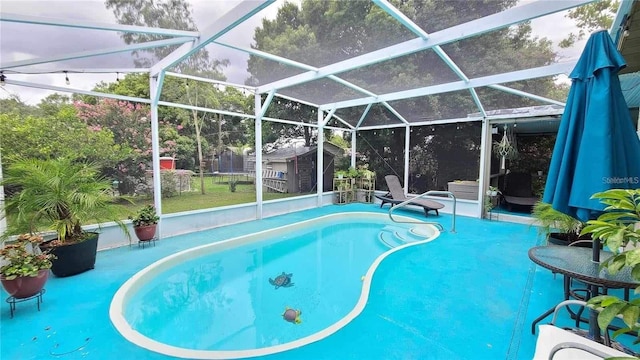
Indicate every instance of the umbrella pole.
{"type": "Point", "coordinates": [594, 330]}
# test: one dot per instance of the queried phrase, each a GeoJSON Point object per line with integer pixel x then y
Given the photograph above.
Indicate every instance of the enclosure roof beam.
{"type": "Point", "coordinates": [224, 24]}
{"type": "Point", "coordinates": [90, 53]}
{"type": "Point", "coordinates": [76, 91]}
{"type": "Point", "coordinates": [424, 123]}
{"type": "Point", "coordinates": [204, 109]}
{"type": "Point", "coordinates": [526, 94]}
{"type": "Point", "coordinates": [401, 18]}
{"type": "Point", "coordinates": [268, 56]}
{"type": "Point", "coordinates": [297, 64]}
{"type": "Point", "coordinates": [266, 103]}
{"type": "Point", "coordinates": [287, 97]}
{"type": "Point", "coordinates": [548, 70]}
{"type": "Point", "coordinates": [328, 117]}
{"type": "Point", "coordinates": [38, 20]}
{"type": "Point", "coordinates": [210, 81]}
{"type": "Point", "coordinates": [413, 27]}
{"type": "Point", "coordinates": [342, 121]}
{"type": "Point", "coordinates": [71, 70]}
{"type": "Point", "coordinates": [476, 99]}
{"type": "Point", "coordinates": [466, 30]}
{"type": "Point", "coordinates": [364, 115]}
{"type": "Point", "coordinates": [394, 112]}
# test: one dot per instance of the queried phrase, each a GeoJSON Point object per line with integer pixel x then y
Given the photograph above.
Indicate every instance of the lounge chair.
{"type": "Point", "coordinates": [517, 190]}
{"type": "Point", "coordinates": [396, 196]}
{"type": "Point", "coordinates": [556, 343]}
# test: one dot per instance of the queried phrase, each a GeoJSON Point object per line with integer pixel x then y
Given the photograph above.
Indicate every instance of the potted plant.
{"type": "Point", "coordinates": [618, 227]}
{"type": "Point", "coordinates": [559, 228]}
{"type": "Point", "coordinates": [25, 268]}
{"type": "Point", "coordinates": [493, 191]}
{"type": "Point", "coordinates": [61, 195]}
{"type": "Point", "coordinates": [145, 222]}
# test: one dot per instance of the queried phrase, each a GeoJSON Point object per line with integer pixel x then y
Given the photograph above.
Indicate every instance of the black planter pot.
{"type": "Point", "coordinates": [567, 239]}
{"type": "Point", "coordinates": [74, 258]}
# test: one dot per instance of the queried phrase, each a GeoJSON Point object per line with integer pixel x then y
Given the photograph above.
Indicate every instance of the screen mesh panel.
{"type": "Point", "coordinates": [411, 71]}
{"type": "Point", "coordinates": [551, 87]}
{"type": "Point", "coordinates": [228, 64]}
{"type": "Point", "coordinates": [493, 99]}
{"type": "Point", "coordinates": [320, 32]}
{"type": "Point", "coordinates": [452, 105]}
{"type": "Point", "coordinates": [383, 151]}
{"type": "Point", "coordinates": [436, 15]}
{"type": "Point", "coordinates": [379, 115]}
{"type": "Point", "coordinates": [527, 45]}
{"type": "Point", "coordinates": [443, 153]}
{"type": "Point", "coordinates": [322, 91]}
{"type": "Point", "coordinates": [51, 41]}
{"type": "Point", "coordinates": [351, 115]}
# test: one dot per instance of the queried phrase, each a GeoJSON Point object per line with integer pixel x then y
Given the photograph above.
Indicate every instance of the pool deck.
{"type": "Point", "coordinates": [466, 295]}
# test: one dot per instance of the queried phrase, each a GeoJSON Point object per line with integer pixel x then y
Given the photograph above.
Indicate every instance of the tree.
{"type": "Point", "coordinates": [131, 128]}
{"type": "Point", "coordinates": [343, 29]}
{"type": "Point", "coordinates": [170, 14]}
{"type": "Point", "coordinates": [590, 17]}
{"type": "Point", "coordinates": [174, 14]}
{"type": "Point", "coordinates": [14, 105]}
{"type": "Point", "coordinates": [63, 135]}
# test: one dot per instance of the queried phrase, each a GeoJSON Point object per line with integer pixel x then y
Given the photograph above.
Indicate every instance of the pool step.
{"type": "Point", "coordinates": [392, 236]}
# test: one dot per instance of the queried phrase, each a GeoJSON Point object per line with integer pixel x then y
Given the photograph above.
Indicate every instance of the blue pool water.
{"type": "Point", "coordinates": [224, 300]}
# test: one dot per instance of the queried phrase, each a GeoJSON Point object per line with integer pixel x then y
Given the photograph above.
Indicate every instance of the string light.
{"type": "Point", "coordinates": [2, 78]}
{"type": "Point", "coordinates": [66, 78]}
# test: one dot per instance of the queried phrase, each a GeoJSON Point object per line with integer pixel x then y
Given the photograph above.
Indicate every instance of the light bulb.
{"type": "Point", "coordinates": [66, 78]}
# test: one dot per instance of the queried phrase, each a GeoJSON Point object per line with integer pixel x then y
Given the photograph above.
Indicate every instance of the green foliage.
{"type": "Point", "coordinates": [169, 180]}
{"type": "Point", "coordinates": [145, 216]}
{"type": "Point", "coordinates": [171, 14]}
{"type": "Point", "coordinates": [618, 227]}
{"type": "Point", "coordinates": [589, 18]}
{"type": "Point", "coordinates": [63, 193]}
{"type": "Point", "coordinates": [550, 219]}
{"type": "Point", "coordinates": [233, 184]}
{"type": "Point", "coordinates": [339, 141]}
{"type": "Point", "coordinates": [24, 258]}
{"type": "Point", "coordinates": [57, 136]}
{"type": "Point", "coordinates": [13, 105]}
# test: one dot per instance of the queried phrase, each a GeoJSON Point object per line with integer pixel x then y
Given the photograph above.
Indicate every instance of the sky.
{"type": "Point", "coordinates": [20, 41]}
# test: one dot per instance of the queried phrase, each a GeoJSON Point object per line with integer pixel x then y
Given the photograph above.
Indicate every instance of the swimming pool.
{"type": "Point", "coordinates": [227, 299]}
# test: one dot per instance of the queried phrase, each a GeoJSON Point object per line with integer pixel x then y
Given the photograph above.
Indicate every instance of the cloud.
{"type": "Point", "coordinates": [47, 41]}
{"type": "Point", "coordinates": [24, 41]}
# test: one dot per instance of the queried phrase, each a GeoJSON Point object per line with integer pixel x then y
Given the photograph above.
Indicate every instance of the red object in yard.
{"type": "Point", "coordinates": [167, 163]}
{"type": "Point", "coordinates": [26, 286]}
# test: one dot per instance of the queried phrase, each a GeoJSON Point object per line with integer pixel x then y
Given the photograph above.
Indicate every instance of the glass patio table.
{"type": "Point", "coordinates": [576, 263]}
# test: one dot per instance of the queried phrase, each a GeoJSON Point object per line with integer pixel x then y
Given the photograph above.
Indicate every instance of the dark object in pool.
{"type": "Point", "coordinates": [283, 280]}
{"type": "Point", "coordinates": [292, 316]}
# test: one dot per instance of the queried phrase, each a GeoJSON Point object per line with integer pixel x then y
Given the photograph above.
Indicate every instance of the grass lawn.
{"type": "Point", "coordinates": [217, 193]}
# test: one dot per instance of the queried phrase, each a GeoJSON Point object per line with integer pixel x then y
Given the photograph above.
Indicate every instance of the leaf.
{"type": "Point", "coordinates": [608, 314]}
{"type": "Point", "coordinates": [630, 315]}
{"type": "Point", "coordinates": [620, 332]}
{"type": "Point", "coordinates": [609, 300]}
{"type": "Point", "coordinates": [635, 272]}
{"type": "Point", "coordinates": [618, 263]}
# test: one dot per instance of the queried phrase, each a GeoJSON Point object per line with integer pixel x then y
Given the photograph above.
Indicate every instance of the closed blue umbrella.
{"type": "Point", "coordinates": [597, 148]}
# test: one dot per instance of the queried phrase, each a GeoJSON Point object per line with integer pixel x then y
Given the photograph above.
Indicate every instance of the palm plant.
{"type": "Point", "coordinates": [61, 193]}
{"type": "Point", "coordinates": [549, 219]}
